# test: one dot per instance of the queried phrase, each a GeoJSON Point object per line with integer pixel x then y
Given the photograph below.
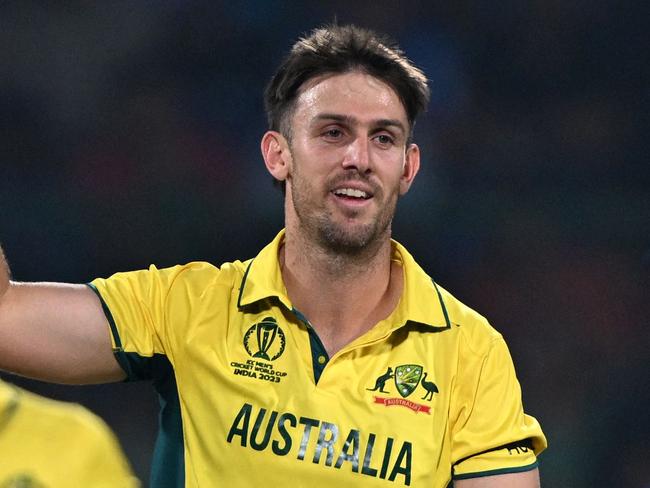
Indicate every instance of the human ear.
{"type": "Point", "coordinates": [276, 154]}
{"type": "Point", "coordinates": [411, 168]}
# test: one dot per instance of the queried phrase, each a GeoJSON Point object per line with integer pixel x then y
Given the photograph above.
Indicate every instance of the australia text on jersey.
{"type": "Point", "coordinates": [364, 453]}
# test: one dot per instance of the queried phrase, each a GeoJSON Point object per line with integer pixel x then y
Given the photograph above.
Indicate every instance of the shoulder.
{"type": "Point", "coordinates": [201, 279]}
{"type": "Point", "coordinates": [204, 273]}
{"type": "Point", "coordinates": [196, 275]}
{"type": "Point", "coordinates": [473, 329]}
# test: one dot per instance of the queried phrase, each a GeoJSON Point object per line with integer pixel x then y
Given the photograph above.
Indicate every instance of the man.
{"type": "Point", "coordinates": [331, 358]}
{"type": "Point", "coordinates": [48, 444]}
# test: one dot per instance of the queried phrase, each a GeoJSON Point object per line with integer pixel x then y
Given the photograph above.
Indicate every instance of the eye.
{"type": "Point", "coordinates": [333, 133]}
{"type": "Point", "coordinates": [384, 139]}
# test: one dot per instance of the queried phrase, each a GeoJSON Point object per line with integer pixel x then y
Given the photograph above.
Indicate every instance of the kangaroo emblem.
{"type": "Point", "coordinates": [380, 382]}
{"type": "Point", "coordinates": [430, 386]}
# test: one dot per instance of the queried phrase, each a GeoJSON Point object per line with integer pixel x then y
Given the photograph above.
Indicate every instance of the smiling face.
{"type": "Point", "coordinates": [347, 162]}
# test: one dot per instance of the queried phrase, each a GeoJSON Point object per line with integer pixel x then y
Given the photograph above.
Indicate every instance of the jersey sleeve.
{"type": "Point", "coordinates": [135, 304]}
{"type": "Point", "coordinates": [491, 434]}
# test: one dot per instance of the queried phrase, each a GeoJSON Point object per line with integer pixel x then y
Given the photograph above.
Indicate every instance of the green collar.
{"type": "Point", "coordinates": [421, 300]}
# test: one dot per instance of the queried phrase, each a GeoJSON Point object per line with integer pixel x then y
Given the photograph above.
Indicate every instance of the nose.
{"type": "Point", "coordinates": [357, 155]}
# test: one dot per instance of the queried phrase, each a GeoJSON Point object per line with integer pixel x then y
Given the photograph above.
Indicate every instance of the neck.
{"type": "Point", "coordinates": [342, 295]}
{"type": "Point", "coordinates": [311, 260]}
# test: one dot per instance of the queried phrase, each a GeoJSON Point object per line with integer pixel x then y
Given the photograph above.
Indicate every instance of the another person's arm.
{"type": "Point", "coordinates": [54, 332]}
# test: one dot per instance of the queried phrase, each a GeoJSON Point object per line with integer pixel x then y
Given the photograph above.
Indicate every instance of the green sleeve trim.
{"type": "Point", "coordinates": [168, 463]}
{"type": "Point", "coordinates": [125, 360]}
{"type": "Point", "coordinates": [523, 443]}
{"type": "Point", "coordinates": [495, 472]}
{"type": "Point", "coordinates": [109, 316]}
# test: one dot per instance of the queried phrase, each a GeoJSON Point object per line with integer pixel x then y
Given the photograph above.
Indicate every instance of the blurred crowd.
{"type": "Point", "coordinates": [129, 135]}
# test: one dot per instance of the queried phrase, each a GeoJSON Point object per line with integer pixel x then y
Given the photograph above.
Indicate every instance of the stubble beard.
{"type": "Point", "coordinates": [333, 234]}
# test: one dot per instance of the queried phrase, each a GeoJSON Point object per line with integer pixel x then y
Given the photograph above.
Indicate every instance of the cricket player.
{"type": "Point", "coordinates": [329, 359]}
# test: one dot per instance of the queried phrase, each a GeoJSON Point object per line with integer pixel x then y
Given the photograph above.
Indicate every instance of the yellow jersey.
{"type": "Point", "coordinates": [251, 398]}
{"type": "Point", "coordinates": [50, 444]}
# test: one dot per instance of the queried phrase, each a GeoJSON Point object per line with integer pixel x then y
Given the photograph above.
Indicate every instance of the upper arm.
{"type": "Point", "coordinates": [490, 431]}
{"type": "Point", "coordinates": [527, 479]}
{"type": "Point", "coordinates": [56, 332]}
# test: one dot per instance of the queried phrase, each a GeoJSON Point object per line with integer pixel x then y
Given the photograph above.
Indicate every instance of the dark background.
{"type": "Point", "coordinates": [129, 135]}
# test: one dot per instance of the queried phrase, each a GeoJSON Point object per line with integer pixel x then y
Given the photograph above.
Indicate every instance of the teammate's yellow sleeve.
{"type": "Point", "coordinates": [50, 444]}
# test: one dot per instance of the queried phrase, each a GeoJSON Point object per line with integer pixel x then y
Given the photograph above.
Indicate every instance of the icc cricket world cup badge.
{"type": "Point", "coordinates": [265, 340]}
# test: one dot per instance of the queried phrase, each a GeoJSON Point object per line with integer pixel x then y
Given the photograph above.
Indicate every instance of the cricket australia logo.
{"type": "Point", "coordinates": [265, 340]}
{"type": "Point", "coordinates": [407, 379]}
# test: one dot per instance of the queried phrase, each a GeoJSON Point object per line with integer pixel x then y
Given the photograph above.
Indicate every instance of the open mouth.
{"type": "Point", "coordinates": [352, 194]}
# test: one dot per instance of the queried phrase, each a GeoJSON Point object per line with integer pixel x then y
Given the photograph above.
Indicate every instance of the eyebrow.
{"type": "Point", "coordinates": [349, 120]}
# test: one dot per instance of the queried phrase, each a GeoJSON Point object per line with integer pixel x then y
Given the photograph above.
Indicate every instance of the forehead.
{"type": "Point", "coordinates": [355, 94]}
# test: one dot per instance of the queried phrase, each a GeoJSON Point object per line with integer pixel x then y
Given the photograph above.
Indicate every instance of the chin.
{"type": "Point", "coordinates": [351, 240]}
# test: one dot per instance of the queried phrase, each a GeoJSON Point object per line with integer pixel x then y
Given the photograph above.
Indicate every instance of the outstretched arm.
{"type": "Point", "coordinates": [528, 479]}
{"type": "Point", "coordinates": [4, 273]}
{"type": "Point", "coordinates": [54, 332]}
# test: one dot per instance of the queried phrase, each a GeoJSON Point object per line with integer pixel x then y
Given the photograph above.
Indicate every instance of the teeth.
{"type": "Point", "coordinates": [350, 192]}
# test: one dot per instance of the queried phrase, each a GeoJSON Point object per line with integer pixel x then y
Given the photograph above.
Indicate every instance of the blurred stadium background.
{"type": "Point", "coordinates": [129, 135]}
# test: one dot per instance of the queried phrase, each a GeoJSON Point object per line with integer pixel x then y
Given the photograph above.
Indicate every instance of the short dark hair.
{"type": "Point", "coordinates": [339, 49]}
